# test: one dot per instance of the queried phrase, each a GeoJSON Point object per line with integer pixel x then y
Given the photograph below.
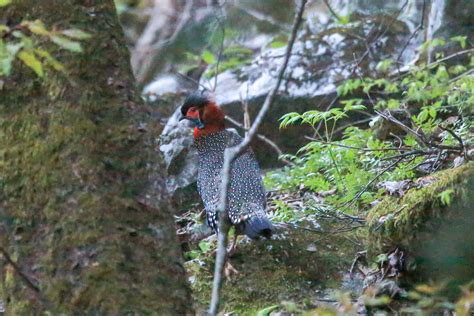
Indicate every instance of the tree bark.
{"type": "Point", "coordinates": [84, 213]}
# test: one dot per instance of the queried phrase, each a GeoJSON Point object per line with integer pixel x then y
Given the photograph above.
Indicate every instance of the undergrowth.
{"type": "Point", "coordinates": [419, 121]}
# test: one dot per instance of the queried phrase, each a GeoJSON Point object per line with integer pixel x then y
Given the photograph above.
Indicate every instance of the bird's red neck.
{"type": "Point", "coordinates": [213, 118]}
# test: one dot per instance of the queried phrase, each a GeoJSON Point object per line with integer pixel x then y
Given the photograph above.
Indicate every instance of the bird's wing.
{"type": "Point", "coordinates": [208, 187]}
{"type": "Point", "coordinates": [246, 192]}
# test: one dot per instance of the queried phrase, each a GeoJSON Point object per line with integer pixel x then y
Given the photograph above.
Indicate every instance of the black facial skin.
{"type": "Point", "coordinates": [195, 99]}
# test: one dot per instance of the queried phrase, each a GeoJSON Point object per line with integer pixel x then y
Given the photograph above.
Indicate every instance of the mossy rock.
{"type": "Point", "coordinates": [437, 234]}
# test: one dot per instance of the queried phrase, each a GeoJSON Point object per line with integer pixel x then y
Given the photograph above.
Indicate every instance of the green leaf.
{"type": "Point", "coordinates": [36, 27]}
{"type": "Point", "coordinates": [446, 196]}
{"type": "Point", "coordinates": [7, 55]}
{"type": "Point", "coordinates": [461, 40]}
{"type": "Point", "coordinates": [67, 43]}
{"type": "Point", "coordinates": [381, 258]}
{"type": "Point", "coordinates": [277, 44]}
{"type": "Point", "coordinates": [344, 19]}
{"type": "Point", "coordinates": [289, 118]}
{"type": "Point", "coordinates": [76, 34]}
{"type": "Point", "coordinates": [393, 104]}
{"type": "Point", "coordinates": [193, 254]}
{"type": "Point", "coordinates": [5, 2]}
{"type": "Point", "coordinates": [49, 59]}
{"type": "Point", "coordinates": [30, 60]}
{"type": "Point", "coordinates": [4, 28]}
{"type": "Point", "coordinates": [457, 69]}
{"type": "Point", "coordinates": [205, 246]}
{"type": "Point", "coordinates": [267, 310]}
{"type": "Point", "coordinates": [208, 57]}
{"type": "Point", "coordinates": [432, 112]}
{"type": "Point", "coordinates": [384, 65]}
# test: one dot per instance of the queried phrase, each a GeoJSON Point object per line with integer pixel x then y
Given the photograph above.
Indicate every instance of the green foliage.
{"type": "Point", "coordinates": [351, 160]}
{"type": "Point", "coordinates": [208, 57]}
{"type": "Point", "coordinates": [233, 57]}
{"type": "Point", "coordinates": [267, 310]}
{"type": "Point", "coordinates": [25, 41]}
{"type": "Point", "coordinates": [446, 196]}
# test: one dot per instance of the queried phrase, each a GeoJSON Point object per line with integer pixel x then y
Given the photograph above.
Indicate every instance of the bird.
{"type": "Point", "coordinates": [246, 204]}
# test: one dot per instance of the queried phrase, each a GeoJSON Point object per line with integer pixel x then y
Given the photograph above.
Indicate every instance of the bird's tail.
{"type": "Point", "coordinates": [258, 226]}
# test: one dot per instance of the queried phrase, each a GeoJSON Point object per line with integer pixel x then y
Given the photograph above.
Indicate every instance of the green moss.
{"type": "Point", "coordinates": [401, 221]}
{"type": "Point", "coordinates": [272, 271]}
{"type": "Point", "coordinates": [74, 170]}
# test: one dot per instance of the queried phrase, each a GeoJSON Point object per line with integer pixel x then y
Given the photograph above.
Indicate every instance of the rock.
{"type": "Point", "coordinates": [181, 159]}
{"type": "Point", "coordinates": [163, 85]}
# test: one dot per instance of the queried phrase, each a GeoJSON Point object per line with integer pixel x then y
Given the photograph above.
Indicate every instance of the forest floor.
{"type": "Point", "coordinates": [324, 261]}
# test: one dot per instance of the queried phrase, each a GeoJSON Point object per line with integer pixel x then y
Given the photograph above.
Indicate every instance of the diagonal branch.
{"type": "Point", "coordinates": [263, 138]}
{"type": "Point", "coordinates": [328, 5]}
{"type": "Point", "coordinates": [229, 156]}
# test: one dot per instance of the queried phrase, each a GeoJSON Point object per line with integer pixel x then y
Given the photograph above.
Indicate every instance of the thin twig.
{"type": "Point", "coordinates": [221, 48]}
{"type": "Point", "coordinates": [263, 139]}
{"type": "Point", "coordinates": [459, 139]}
{"type": "Point", "coordinates": [411, 153]}
{"type": "Point", "coordinates": [464, 74]}
{"type": "Point", "coordinates": [345, 229]}
{"type": "Point", "coordinates": [358, 195]}
{"type": "Point", "coordinates": [343, 127]}
{"type": "Point", "coordinates": [358, 148]}
{"type": "Point", "coordinates": [419, 138]}
{"type": "Point", "coordinates": [229, 155]}
{"type": "Point", "coordinates": [418, 28]}
{"type": "Point", "coordinates": [326, 2]}
{"type": "Point", "coordinates": [198, 84]}
{"type": "Point", "coordinates": [439, 61]}
{"type": "Point", "coordinates": [358, 256]}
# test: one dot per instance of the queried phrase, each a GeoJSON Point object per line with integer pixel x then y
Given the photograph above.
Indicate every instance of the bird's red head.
{"type": "Point", "coordinates": [207, 117]}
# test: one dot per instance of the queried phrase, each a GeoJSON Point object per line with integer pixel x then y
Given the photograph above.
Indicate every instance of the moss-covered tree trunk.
{"type": "Point", "coordinates": [79, 214]}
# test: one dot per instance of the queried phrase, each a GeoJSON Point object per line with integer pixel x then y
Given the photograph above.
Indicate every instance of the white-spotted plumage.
{"type": "Point", "coordinates": [246, 195]}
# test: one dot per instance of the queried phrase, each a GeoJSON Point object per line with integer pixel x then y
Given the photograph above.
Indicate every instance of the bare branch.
{"type": "Point", "coordinates": [459, 139]}
{"type": "Point", "coordinates": [221, 48]}
{"type": "Point", "coordinates": [230, 154]}
{"type": "Point", "coordinates": [358, 195]}
{"type": "Point", "coordinates": [263, 138]}
{"type": "Point", "coordinates": [332, 10]}
{"type": "Point", "coordinates": [437, 62]}
{"type": "Point", "coordinates": [415, 32]}
{"type": "Point", "coordinates": [419, 138]}
{"type": "Point", "coordinates": [197, 83]}
{"type": "Point", "coordinates": [357, 148]}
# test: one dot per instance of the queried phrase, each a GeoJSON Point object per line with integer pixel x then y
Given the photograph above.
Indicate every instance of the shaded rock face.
{"type": "Point", "coordinates": [180, 156]}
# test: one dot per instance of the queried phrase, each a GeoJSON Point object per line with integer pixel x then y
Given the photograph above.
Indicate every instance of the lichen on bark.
{"type": "Point", "coordinates": [83, 206]}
